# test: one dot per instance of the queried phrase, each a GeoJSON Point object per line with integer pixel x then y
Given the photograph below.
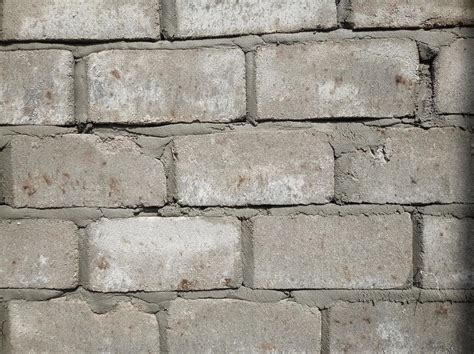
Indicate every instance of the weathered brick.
{"type": "Point", "coordinates": [163, 86]}
{"type": "Point", "coordinates": [286, 167]}
{"type": "Point", "coordinates": [331, 251]}
{"type": "Point", "coordinates": [408, 13]}
{"type": "Point", "coordinates": [81, 170]}
{"type": "Point", "coordinates": [454, 68]}
{"type": "Point", "coordinates": [208, 18]}
{"type": "Point", "coordinates": [242, 327]}
{"type": "Point", "coordinates": [157, 254]}
{"type": "Point", "coordinates": [71, 19]}
{"type": "Point", "coordinates": [410, 165]}
{"type": "Point", "coordinates": [448, 249]}
{"type": "Point", "coordinates": [38, 254]}
{"type": "Point", "coordinates": [401, 328]}
{"type": "Point", "coordinates": [36, 87]}
{"type": "Point", "coordinates": [70, 326]}
{"type": "Point", "coordinates": [352, 78]}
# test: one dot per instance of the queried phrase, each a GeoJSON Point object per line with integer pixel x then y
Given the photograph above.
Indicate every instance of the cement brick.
{"type": "Point", "coordinates": [409, 13]}
{"type": "Point", "coordinates": [77, 20]}
{"type": "Point", "coordinates": [352, 78]}
{"type": "Point", "coordinates": [38, 254]}
{"type": "Point", "coordinates": [448, 249]}
{"type": "Point", "coordinates": [410, 165]}
{"type": "Point", "coordinates": [81, 170]}
{"type": "Point", "coordinates": [352, 252]}
{"type": "Point", "coordinates": [166, 86]}
{"type": "Point", "coordinates": [159, 254]}
{"type": "Point", "coordinates": [397, 328]}
{"type": "Point", "coordinates": [285, 167]}
{"type": "Point", "coordinates": [210, 18]}
{"type": "Point", "coordinates": [36, 87]}
{"type": "Point", "coordinates": [70, 326]}
{"type": "Point", "coordinates": [454, 68]}
{"type": "Point", "coordinates": [233, 326]}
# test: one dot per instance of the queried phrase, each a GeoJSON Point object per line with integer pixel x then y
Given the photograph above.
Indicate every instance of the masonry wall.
{"type": "Point", "coordinates": [237, 176]}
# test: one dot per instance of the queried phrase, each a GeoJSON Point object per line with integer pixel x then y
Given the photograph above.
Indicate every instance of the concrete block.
{"type": "Point", "coordinates": [39, 254]}
{"type": "Point", "coordinates": [211, 18]}
{"type": "Point", "coordinates": [79, 20]}
{"type": "Point", "coordinates": [352, 78]}
{"type": "Point", "coordinates": [166, 86]}
{"type": "Point", "coordinates": [257, 168]}
{"type": "Point", "coordinates": [160, 254]}
{"type": "Point", "coordinates": [81, 170]}
{"type": "Point", "coordinates": [36, 87]}
{"type": "Point", "coordinates": [351, 252]}
{"type": "Point", "coordinates": [70, 326]}
{"type": "Point", "coordinates": [410, 165]}
{"type": "Point", "coordinates": [225, 326]}
{"type": "Point", "coordinates": [401, 328]}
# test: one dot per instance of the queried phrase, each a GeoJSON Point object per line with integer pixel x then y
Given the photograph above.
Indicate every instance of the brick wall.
{"type": "Point", "coordinates": [237, 176]}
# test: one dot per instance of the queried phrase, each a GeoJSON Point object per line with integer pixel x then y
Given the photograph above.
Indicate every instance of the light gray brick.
{"type": "Point", "coordinates": [209, 18]}
{"type": "Point", "coordinates": [224, 326]}
{"type": "Point", "coordinates": [166, 86]}
{"type": "Point", "coordinates": [448, 249]}
{"type": "Point", "coordinates": [352, 78]}
{"type": "Point", "coordinates": [77, 20]}
{"type": "Point", "coordinates": [39, 254]}
{"type": "Point", "coordinates": [70, 326]}
{"type": "Point", "coordinates": [285, 167]}
{"type": "Point", "coordinates": [159, 254]}
{"type": "Point", "coordinates": [410, 165]}
{"type": "Point", "coordinates": [401, 328]}
{"type": "Point", "coordinates": [81, 170]}
{"type": "Point", "coordinates": [36, 87]}
{"type": "Point", "coordinates": [454, 70]}
{"type": "Point", "coordinates": [352, 252]}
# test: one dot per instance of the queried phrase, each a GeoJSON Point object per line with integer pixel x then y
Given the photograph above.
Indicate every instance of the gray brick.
{"type": "Point", "coordinates": [223, 326]}
{"type": "Point", "coordinates": [81, 170]}
{"type": "Point", "coordinates": [209, 18]}
{"type": "Point", "coordinates": [286, 167]}
{"type": "Point", "coordinates": [401, 328]}
{"type": "Point", "coordinates": [410, 165]}
{"type": "Point", "coordinates": [352, 78]}
{"type": "Point", "coordinates": [38, 254]}
{"type": "Point", "coordinates": [454, 68]}
{"type": "Point", "coordinates": [70, 326]}
{"type": "Point", "coordinates": [166, 86]}
{"type": "Point", "coordinates": [352, 252]}
{"type": "Point", "coordinates": [411, 13]}
{"type": "Point", "coordinates": [71, 19]}
{"type": "Point", "coordinates": [448, 249]}
{"type": "Point", "coordinates": [159, 254]}
{"type": "Point", "coordinates": [36, 87]}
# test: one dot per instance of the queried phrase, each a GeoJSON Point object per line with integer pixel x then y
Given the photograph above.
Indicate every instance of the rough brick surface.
{"type": "Point", "coordinates": [156, 254]}
{"type": "Point", "coordinates": [242, 327]}
{"type": "Point", "coordinates": [398, 328]}
{"type": "Point", "coordinates": [166, 86]}
{"type": "Point", "coordinates": [38, 254]}
{"type": "Point", "coordinates": [454, 64]}
{"type": "Point", "coordinates": [70, 326]}
{"type": "Point", "coordinates": [353, 78]}
{"type": "Point", "coordinates": [286, 167]}
{"type": "Point", "coordinates": [72, 19]}
{"type": "Point", "coordinates": [331, 251]}
{"type": "Point", "coordinates": [209, 18]}
{"type": "Point", "coordinates": [409, 166]}
{"type": "Point", "coordinates": [36, 87]}
{"type": "Point", "coordinates": [448, 249]}
{"type": "Point", "coordinates": [409, 13]}
{"type": "Point", "coordinates": [81, 170]}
